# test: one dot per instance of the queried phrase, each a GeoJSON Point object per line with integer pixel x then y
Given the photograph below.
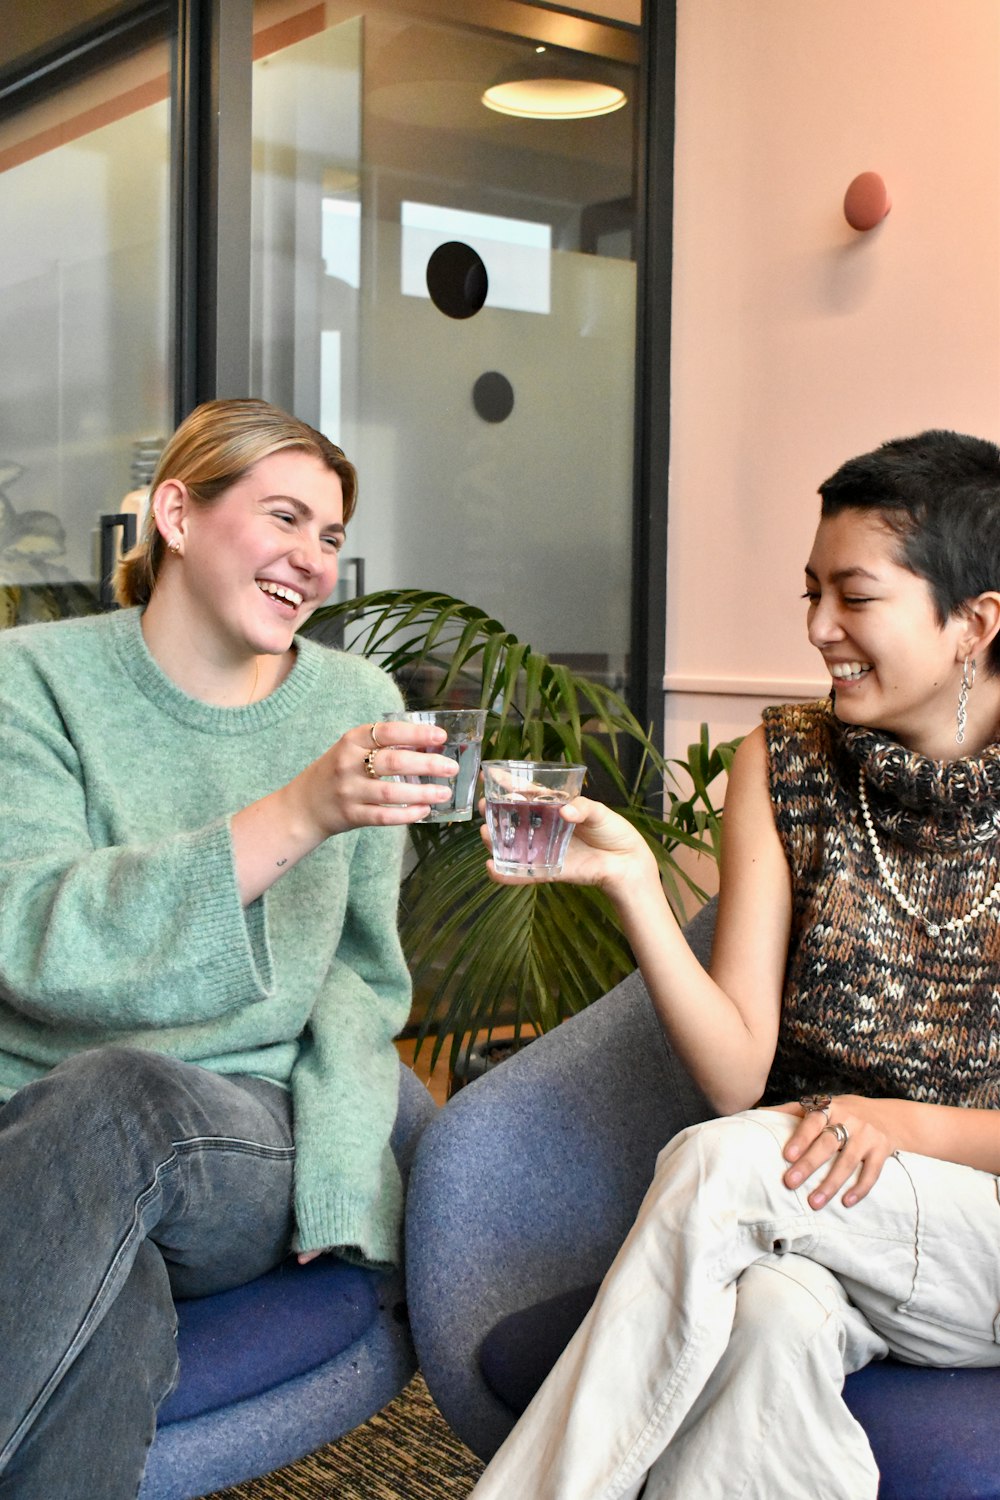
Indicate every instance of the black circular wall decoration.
{"type": "Point", "coordinates": [457, 280]}
{"type": "Point", "coordinates": [493, 396]}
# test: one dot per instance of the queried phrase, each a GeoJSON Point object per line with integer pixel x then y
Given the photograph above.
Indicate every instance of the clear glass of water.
{"type": "Point", "coordinates": [464, 728]}
{"type": "Point", "coordinates": [523, 798]}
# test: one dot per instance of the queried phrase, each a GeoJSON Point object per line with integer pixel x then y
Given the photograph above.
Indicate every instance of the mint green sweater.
{"type": "Point", "coordinates": [120, 917]}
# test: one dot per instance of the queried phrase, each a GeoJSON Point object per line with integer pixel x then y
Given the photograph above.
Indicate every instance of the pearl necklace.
{"type": "Point", "coordinates": [934, 929]}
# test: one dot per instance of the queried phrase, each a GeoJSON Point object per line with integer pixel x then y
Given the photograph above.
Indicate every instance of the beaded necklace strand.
{"type": "Point", "coordinates": [934, 929]}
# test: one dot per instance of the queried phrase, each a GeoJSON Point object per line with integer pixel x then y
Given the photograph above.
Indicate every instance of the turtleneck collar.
{"type": "Point", "coordinates": [931, 803]}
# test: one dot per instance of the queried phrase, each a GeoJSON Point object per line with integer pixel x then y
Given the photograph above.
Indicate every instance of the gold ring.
{"type": "Point", "coordinates": [375, 739]}
{"type": "Point", "coordinates": [370, 762]}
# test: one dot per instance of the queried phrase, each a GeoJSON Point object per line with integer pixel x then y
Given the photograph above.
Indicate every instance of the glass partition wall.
{"type": "Point", "coordinates": [85, 396]}
{"type": "Point", "coordinates": [447, 290]}
{"type": "Point", "coordinates": [450, 293]}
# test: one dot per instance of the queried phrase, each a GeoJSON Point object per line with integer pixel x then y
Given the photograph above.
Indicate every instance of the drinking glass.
{"type": "Point", "coordinates": [464, 728]}
{"type": "Point", "coordinates": [523, 798]}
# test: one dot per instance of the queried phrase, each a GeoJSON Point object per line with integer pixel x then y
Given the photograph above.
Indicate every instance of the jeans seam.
{"type": "Point", "coordinates": [232, 1143]}
{"type": "Point", "coordinates": [95, 1311]}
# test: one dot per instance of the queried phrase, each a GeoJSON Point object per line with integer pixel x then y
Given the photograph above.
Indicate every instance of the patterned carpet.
{"type": "Point", "coordinates": [406, 1452]}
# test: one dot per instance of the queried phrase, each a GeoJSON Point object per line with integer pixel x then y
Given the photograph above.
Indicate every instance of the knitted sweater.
{"type": "Point", "coordinates": [873, 1003]}
{"type": "Point", "coordinates": [120, 916]}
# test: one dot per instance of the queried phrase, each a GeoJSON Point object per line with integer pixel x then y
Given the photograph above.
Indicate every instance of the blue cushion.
{"type": "Point", "coordinates": [519, 1352]}
{"type": "Point", "coordinates": [934, 1433]}
{"type": "Point", "coordinates": [240, 1343]}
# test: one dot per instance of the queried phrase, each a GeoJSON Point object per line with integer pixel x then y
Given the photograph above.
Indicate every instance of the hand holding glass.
{"type": "Point", "coordinates": [523, 798]}
{"type": "Point", "coordinates": [464, 728]}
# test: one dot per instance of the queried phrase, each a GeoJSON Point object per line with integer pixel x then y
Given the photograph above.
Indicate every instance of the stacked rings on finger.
{"type": "Point", "coordinates": [841, 1132]}
{"type": "Point", "coordinates": [370, 762]}
{"type": "Point", "coordinates": [375, 739]}
{"type": "Point", "coordinates": [817, 1104]}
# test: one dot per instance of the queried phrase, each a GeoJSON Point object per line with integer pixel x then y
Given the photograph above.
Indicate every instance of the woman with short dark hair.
{"type": "Point", "coordinates": [844, 1205]}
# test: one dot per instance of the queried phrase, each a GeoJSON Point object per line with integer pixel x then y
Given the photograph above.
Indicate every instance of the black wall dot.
{"type": "Point", "coordinates": [457, 280]}
{"type": "Point", "coordinates": [493, 396]}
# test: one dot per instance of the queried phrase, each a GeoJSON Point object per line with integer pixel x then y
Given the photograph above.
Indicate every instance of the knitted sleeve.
{"type": "Point", "coordinates": [345, 1083]}
{"type": "Point", "coordinates": [348, 1195]}
{"type": "Point", "coordinates": [116, 937]}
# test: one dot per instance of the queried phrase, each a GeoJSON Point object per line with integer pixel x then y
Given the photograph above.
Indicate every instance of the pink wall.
{"type": "Point", "coordinates": [797, 341]}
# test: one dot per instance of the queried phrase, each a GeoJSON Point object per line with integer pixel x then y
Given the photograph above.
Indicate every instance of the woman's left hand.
{"type": "Point", "coordinates": [813, 1148]}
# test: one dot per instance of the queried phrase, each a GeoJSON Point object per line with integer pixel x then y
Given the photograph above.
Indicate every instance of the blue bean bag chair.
{"type": "Point", "coordinates": [525, 1185]}
{"type": "Point", "coordinates": [273, 1370]}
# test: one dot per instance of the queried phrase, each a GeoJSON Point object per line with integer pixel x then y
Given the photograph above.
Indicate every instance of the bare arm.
{"type": "Point", "coordinates": [723, 1025]}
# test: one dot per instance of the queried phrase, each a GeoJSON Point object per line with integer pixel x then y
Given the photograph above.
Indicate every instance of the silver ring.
{"type": "Point", "coordinates": [840, 1131]}
{"type": "Point", "coordinates": [370, 762]}
{"type": "Point", "coordinates": [375, 739]}
{"type": "Point", "coordinates": [816, 1104]}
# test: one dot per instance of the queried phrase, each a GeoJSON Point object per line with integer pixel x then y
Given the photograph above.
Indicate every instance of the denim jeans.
{"type": "Point", "coordinates": [126, 1179]}
{"type": "Point", "coordinates": [713, 1359]}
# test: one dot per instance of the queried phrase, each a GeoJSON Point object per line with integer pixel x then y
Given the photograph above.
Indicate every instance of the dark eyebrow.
{"type": "Point", "coordinates": [305, 511]}
{"type": "Point", "coordinates": [842, 573]}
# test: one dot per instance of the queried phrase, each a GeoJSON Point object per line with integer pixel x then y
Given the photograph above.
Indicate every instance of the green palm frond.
{"type": "Point", "coordinates": [482, 954]}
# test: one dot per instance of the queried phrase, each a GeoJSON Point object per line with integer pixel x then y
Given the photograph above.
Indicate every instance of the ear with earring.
{"type": "Point", "coordinates": [962, 712]}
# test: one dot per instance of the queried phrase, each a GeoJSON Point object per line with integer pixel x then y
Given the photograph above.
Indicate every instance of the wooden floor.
{"type": "Point", "coordinates": [436, 1079]}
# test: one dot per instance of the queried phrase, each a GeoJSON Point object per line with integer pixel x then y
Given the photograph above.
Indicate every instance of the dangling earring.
{"type": "Point", "coordinates": [962, 712]}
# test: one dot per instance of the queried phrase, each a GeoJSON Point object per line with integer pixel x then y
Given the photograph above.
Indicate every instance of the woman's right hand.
{"type": "Point", "coordinates": [605, 850]}
{"type": "Point", "coordinates": [338, 791]}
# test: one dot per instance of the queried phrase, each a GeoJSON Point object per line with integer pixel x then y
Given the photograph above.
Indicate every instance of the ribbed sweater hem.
{"type": "Point", "coordinates": [346, 1223]}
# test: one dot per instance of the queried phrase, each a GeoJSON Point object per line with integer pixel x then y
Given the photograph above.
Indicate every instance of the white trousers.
{"type": "Point", "coordinates": [713, 1359]}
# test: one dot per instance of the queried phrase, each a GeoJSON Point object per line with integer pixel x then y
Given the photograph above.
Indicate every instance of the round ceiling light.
{"type": "Point", "coordinates": [553, 98]}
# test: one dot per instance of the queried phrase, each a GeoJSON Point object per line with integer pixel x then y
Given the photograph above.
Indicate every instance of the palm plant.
{"type": "Point", "coordinates": [481, 954]}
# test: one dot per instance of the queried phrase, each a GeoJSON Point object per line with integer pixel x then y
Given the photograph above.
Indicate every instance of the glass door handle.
{"type": "Point", "coordinates": [358, 564]}
{"type": "Point", "coordinates": [110, 553]}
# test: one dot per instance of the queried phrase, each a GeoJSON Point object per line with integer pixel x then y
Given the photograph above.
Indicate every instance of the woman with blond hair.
{"type": "Point", "coordinates": [200, 974]}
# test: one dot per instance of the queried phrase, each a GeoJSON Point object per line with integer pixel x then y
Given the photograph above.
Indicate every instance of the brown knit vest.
{"type": "Point", "coordinates": [872, 1003]}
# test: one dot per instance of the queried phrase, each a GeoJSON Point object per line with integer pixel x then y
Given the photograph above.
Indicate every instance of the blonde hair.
{"type": "Point", "coordinates": [211, 450]}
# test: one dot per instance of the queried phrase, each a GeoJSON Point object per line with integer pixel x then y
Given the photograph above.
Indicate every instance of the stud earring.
{"type": "Point", "coordinates": [174, 546]}
{"type": "Point", "coordinates": [962, 712]}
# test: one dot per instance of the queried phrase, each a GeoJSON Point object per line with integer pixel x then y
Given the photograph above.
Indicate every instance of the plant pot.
{"type": "Point", "coordinates": [477, 1058]}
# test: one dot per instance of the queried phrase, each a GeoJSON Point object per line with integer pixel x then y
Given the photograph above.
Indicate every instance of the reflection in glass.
{"type": "Point", "coordinates": [83, 325]}
{"type": "Point", "coordinates": [517, 252]}
{"type": "Point", "coordinates": [372, 148]}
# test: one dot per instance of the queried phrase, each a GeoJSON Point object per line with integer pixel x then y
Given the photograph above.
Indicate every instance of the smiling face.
{"type": "Point", "coordinates": [893, 665]}
{"type": "Point", "coordinates": [256, 561]}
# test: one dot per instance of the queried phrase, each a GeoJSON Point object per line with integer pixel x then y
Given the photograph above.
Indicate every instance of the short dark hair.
{"type": "Point", "coordinates": [940, 493]}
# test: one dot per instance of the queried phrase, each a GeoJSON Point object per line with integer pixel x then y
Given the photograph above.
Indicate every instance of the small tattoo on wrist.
{"type": "Point", "coordinates": [282, 862]}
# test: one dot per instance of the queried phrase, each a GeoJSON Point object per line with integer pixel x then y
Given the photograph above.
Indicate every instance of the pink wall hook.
{"type": "Point", "coordinates": [866, 201]}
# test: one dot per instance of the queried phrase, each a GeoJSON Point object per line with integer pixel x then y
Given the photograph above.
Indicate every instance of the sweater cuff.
{"type": "Point", "coordinates": [346, 1224]}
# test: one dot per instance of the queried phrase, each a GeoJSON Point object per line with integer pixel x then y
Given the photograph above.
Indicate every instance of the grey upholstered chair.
{"type": "Point", "coordinates": [524, 1186]}
{"type": "Point", "coordinates": [276, 1368]}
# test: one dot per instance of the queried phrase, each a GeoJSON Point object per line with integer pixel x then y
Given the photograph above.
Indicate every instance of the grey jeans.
{"type": "Point", "coordinates": [126, 1179]}
{"type": "Point", "coordinates": [713, 1359]}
